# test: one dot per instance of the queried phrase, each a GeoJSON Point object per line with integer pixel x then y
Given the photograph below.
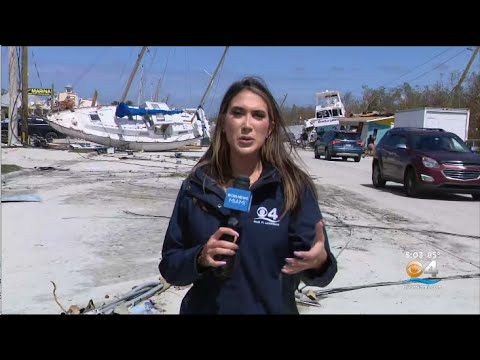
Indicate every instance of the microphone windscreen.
{"type": "Point", "coordinates": [241, 182]}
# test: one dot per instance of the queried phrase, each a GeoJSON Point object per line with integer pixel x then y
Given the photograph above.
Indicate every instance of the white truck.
{"type": "Point", "coordinates": [451, 120]}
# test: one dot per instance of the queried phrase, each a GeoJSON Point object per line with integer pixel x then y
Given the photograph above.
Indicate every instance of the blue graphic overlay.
{"type": "Point", "coordinates": [423, 281]}
{"type": "Point", "coordinates": [237, 199]}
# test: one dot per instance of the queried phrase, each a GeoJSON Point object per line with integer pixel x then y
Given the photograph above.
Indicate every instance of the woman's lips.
{"type": "Point", "coordinates": [246, 141]}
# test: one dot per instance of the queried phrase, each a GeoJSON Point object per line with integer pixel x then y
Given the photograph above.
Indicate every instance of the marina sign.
{"type": "Point", "coordinates": [39, 92]}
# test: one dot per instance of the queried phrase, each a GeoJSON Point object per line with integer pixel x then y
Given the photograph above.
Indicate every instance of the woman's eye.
{"type": "Point", "coordinates": [259, 116]}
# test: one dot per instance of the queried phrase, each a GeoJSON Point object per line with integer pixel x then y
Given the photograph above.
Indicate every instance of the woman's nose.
{"type": "Point", "coordinates": [247, 119]}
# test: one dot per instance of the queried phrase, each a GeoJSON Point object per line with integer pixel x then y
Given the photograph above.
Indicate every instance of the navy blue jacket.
{"type": "Point", "coordinates": [257, 286]}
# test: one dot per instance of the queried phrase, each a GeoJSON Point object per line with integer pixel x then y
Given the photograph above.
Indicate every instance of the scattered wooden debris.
{"type": "Point", "coordinates": [55, 297]}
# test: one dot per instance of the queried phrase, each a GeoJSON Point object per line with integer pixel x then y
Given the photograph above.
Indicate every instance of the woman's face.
{"type": "Point", "coordinates": [246, 123]}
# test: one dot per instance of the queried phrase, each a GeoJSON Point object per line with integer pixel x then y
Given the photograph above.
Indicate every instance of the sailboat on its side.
{"type": "Point", "coordinates": [153, 126]}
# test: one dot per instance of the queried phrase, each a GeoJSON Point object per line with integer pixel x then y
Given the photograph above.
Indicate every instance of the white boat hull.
{"type": "Point", "coordinates": [128, 145]}
{"type": "Point", "coordinates": [108, 130]}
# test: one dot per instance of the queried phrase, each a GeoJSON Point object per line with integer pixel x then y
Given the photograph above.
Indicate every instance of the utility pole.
{"type": "Point", "coordinates": [24, 95]}
{"type": "Point", "coordinates": [456, 89]}
{"type": "Point", "coordinates": [13, 94]}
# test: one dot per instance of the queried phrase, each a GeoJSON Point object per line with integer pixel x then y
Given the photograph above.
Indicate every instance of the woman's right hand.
{"type": "Point", "coordinates": [216, 246]}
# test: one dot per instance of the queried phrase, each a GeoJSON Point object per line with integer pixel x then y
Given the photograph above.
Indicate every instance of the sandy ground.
{"type": "Point", "coordinates": [99, 227]}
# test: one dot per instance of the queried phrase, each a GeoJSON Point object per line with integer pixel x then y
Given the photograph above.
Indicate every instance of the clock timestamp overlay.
{"type": "Point", "coordinates": [422, 268]}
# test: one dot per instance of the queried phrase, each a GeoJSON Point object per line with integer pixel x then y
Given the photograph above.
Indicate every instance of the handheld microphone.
{"type": "Point", "coordinates": [238, 199]}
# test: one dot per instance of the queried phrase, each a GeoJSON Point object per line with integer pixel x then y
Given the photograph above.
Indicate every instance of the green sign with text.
{"type": "Point", "coordinates": [37, 91]}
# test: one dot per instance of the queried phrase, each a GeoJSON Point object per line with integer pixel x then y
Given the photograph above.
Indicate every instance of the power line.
{"type": "Point", "coordinates": [436, 67]}
{"type": "Point", "coordinates": [423, 74]}
{"type": "Point", "coordinates": [419, 66]}
{"type": "Point", "coordinates": [36, 68]}
{"type": "Point", "coordinates": [77, 80]}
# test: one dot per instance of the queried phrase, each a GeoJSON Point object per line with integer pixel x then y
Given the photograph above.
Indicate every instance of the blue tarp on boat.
{"type": "Point", "coordinates": [124, 110]}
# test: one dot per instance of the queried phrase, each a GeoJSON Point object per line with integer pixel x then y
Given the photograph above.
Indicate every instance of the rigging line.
{"type": "Point", "coordinates": [146, 70]}
{"type": "Point", "coordinates": [125, 64]}
{"type": "Point", "coordinates": [216, 85]}
{"type": "Point", "coordinates": [429, 71]}
{"type": "Point", "coordinates": [133, 74]}
{"type": "Point", "coordinates": [79, 78]}
{"type": "Point", "coordinates": [188, 83]}
{"type": "Point", "coordinates": [152, 58]}
{"type": "Point", "coordinates": [36, 68]}
{"type": "Point", "coordinates": [106, 131]}
{"type": "Point", "coordinates": [162, 79]}
{"type": "Point", "coordinates": [209, 102]}
{"type": "Point", "coordinates": [419, 66]}
{"type": "Point", "coordinates": [164, 71]}
{"type": "Point", "coordinates": [210, 83]}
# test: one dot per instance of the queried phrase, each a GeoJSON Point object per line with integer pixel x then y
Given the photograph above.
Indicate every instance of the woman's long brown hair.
{"type": "Point", "coordinates": [216, 160]}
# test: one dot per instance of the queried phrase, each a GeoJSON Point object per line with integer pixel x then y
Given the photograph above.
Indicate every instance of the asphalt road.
{"type": "Point", "coordinates": [99, 227]}
{"type": "Point", "coordinates": [375, 233]}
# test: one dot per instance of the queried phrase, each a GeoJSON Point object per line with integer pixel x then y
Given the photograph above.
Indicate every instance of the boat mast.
{"type": "Point", "coordinates": [94, 100]}
{"type": "Point", "coordinates": [283, 101]}
{"type": "Point", "coordinates": [213, 77]}
{"type": "Point", "coordinates": [140, 91]}
{"type": "Point", "coordinates": [132, 75]}
{"type": "Point", "coordinates": [211, 82]}
{"type": "Point", "coordinates": [157, 91]}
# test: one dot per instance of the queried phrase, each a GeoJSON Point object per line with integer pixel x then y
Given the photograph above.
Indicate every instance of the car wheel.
{"type": "Point", "coordinates": [410, 183]}
{"type": "Point", "coordinates": [476, 197]}
{"type": "Point", "coordinates": [50, 136]}
{"type": "Point", "coordinates": [377, 178]}
{"type": "Point", "coordinates": [315, 150]}
{"type": "Point", "coordinates": [357, 159]}
{"type": "Point", "coordinates": [327, 154]}
{"type": "Point", "coordinates": [344, 158]}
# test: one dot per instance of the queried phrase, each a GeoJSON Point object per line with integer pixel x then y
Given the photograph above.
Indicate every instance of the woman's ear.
{"type": "Point", "coordinates": [272, 126]}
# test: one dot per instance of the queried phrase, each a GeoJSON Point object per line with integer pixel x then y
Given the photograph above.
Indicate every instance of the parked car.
{"type": "Point", "coordinates": [337, 143]}
{"type": "Point", "coordinates": [426, 160]}
{"type": "Point", "coordinates": [4, 124]}
{"type": "Point", "coordinates": [36, 126]}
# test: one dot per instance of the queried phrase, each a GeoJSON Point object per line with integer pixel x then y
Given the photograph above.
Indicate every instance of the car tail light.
{"type": "Point", "coordinates": [336, 141]}
{"type": "Point", "coordinates": [360, 143]}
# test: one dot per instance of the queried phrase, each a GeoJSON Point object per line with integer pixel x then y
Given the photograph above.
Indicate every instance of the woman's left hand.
{"type": "Point", "coordinates": [311, 259]}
